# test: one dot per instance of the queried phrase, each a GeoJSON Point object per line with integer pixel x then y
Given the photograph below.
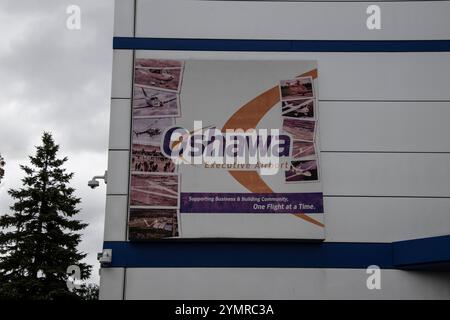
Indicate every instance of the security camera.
{"type": "Point", "coordinates": [93, 184]}
{"type": "Point", "coordinates": [105, 257]}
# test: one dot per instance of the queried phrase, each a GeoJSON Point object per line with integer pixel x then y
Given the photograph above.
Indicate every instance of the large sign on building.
{"type": "Point", "coordinates": [224, 149]}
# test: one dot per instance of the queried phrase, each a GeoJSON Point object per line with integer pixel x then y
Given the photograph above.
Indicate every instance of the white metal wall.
{"type": "Point", "coordinates": [384, 140]}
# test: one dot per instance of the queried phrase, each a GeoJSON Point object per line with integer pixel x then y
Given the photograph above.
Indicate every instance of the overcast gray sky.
{"type": "Point", "coordinates": [57, 80]}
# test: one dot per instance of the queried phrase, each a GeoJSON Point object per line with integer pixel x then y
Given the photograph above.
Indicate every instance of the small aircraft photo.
{"type": "Point", "coordinates": [156, 100]}
{"type": "Point", "coordinates": [167, 78]}
{"type": "Point", "coordinates": [302, 110]}
{"type": "Point", "coordinates": [150, 102]}
{"type": "Point", "coordinates": [302, 171]}
{"type": "Point", "coordinates": [298, 108]}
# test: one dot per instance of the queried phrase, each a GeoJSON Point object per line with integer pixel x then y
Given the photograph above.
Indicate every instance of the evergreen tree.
{"type": "Point", "coordinates": [2, 165]}
{"type": "Point", "coordinates": [40, 237]}
{"type": "Point", "coordinates": [88, 291]}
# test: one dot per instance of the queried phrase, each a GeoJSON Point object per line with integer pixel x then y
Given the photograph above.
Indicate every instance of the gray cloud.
{"type": "Point", "coordinates": [57, 80]}
{"type": "Point", "coordinates": [53, 78]}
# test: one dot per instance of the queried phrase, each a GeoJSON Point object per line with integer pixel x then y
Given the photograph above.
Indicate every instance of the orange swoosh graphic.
{"type": "Point", "coordinates": [247, 117]}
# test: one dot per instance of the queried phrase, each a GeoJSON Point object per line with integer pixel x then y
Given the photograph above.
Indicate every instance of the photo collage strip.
{"type": "Point", "coordinates": [154, 182]}
{"type": "Point", "coordinates": [299, 116]}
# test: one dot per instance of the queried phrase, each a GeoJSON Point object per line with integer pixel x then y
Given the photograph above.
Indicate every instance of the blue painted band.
{"type": "Point", "coordinates": [428, 253]}
{"type": "Point", "coordinates": [259, 254]}
{"type": "Point", "coordinates": [281, 45]}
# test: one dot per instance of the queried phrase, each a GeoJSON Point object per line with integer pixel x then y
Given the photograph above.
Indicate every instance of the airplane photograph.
{"type": "Point", "coordinates": [151, 73]}
{"type": "Point", "coordinates": [302, 171]}
{"type": "Point", "coordinates": [150, 223]}
{"type": "Point", "coordinates": [154, 103]}
{"type": "Point", "coordinates": [303, 108]}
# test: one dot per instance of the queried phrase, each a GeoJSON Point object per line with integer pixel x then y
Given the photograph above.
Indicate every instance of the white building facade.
{"type": "Point", "coordinates": [385, 151]}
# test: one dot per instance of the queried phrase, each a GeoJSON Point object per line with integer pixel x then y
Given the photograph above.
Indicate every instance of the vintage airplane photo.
{"type": "Point", "coordinates": [301, 171]}
{"type": "Point", "coordinates": [149, 223]}
{"type": "Point", "coordinates": [159, 74]}
{"type": "Point", "coordinates": [154, 103]}
{"type": "Point", "coordinates": [301, 109]}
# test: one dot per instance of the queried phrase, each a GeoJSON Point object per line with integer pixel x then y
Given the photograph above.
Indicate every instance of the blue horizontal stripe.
{"type": "Point", "coordinates": [281, 45]}
{"type": "Point", "coordinates": [427, 254]}
{"type": "Point", "coordinates": [260, 254]}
